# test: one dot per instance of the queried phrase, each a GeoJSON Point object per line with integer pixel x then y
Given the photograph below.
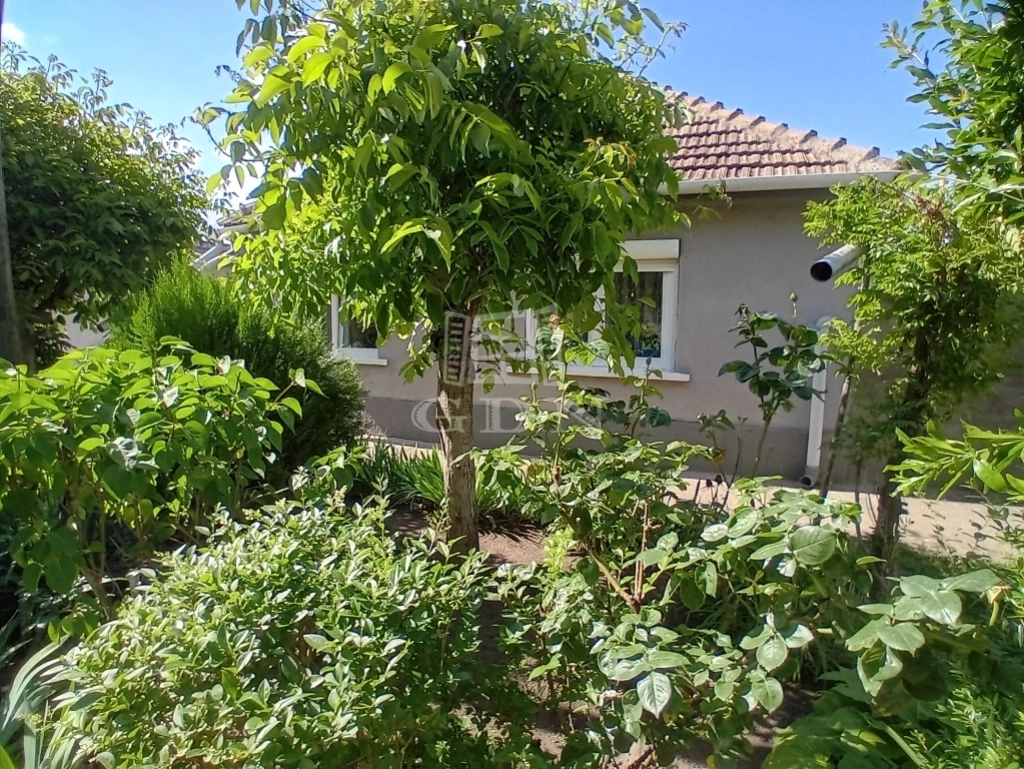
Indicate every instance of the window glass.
{"type": "Point", "coordinates": [647, 297]}
{"type": "Point", "coordinates": [357, 336]}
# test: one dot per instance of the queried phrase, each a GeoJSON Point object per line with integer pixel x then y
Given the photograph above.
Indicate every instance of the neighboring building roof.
{"type": "Point", "coordinates": [719, 144]}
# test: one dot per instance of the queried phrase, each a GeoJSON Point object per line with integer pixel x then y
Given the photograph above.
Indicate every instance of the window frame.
{"type": "Point", "coordinates": [368, 356]}
{"type": "Point", "coordinates": [657, 255]}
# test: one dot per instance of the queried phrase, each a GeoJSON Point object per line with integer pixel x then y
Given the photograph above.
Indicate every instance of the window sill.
{"type": "Point", "coordinates": [360, 361]}
{"type": "Point", "coordinates": [596, 372]}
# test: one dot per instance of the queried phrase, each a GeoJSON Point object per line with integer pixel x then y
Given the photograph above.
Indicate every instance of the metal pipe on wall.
{"type": "Point", "coordinates": [816, 421]}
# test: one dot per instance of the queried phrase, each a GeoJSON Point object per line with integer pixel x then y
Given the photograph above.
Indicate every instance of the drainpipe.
{"type": "Point", "coordinates": [816, 422]}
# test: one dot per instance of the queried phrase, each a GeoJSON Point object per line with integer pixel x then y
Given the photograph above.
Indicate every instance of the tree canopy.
{"type": "Point", "coordinates": [967, 59]}
{"type": "Point", "coordinates": [431, 159]}
{"type": "Point", "coordinates": [935, 317]}
{"type": "Point", "coordinates": [98, 198]}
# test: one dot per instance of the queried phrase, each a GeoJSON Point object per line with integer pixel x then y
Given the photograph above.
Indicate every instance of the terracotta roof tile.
{"type": "Point", "coordinates": [722, 143]}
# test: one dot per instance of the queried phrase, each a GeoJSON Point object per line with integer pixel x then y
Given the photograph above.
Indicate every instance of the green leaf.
{"type": "Point", "coordinates": [772, 653]}
{"type": "Point", "coordinates": [750, 642]}
{"type": "Point", "coordinates": [105, 759]}
{"type": "Point", "coordinates": [392, 74]}
{"type": "Point", "coordinates": [653, 556]}
{"type": "Point", "coordinates": [88, 445]}
{"type": "Point", "coordinates": [428, 37]}
{"type": "Point", "coordinates": [665, 660]}
{"type": "Point", "coordinates": [988, 475]}
{"type": "Point", "coordinates": [404, 231]}
{"type": "Point", "coordinates": [272, 87]}
{"type": "Point", "coordinates": [866, 637]}
{"type": "Point", "coordinates": [304, 46]}
{"type": "Point", "coordinates": [625, 669]}
{"type": "Point", "coordinates": [5, 759]}
{"type": "Point", "coordinates": [481, 137]}
{"type": "Point", "coordinates": [435, 91]}
{"type": "Point", "coordinates": [318, 642]}
{"type": "Point", "coordinates": [903, 636]}
{"type": "Point", "coordinates": [812, 545]}
{"type": "Point", "coordinates": [769, 551]}
{"type": "Point", "coordinates": [798, 636]}
{"type": "Point", "coordinates": [655, 692]}
{"type": "Point", "coordinates": [939, 603]}
{"type": "Point", "coordinates": [715, 533]}
{"type": "Point", "coordinates": [693, 597]}
{"type": "Point", "coordinates": [943, 607]}
{"type": "Point", "coordinates": [373, 87]}
{"type": "Point", "coordinates": [768, 694]}
{"type": "Point", "coordinates": [399, 174]}
{"type": "Point", "coordinates": [382, 319]}
{"type": "Point", "coordinates": [876, 609]}
{"type": "Point", "coordinates": [974, 582]}
{"type": "Point", "coordinates": [258, 55]}
{"type": "Point", "coordinates": [273, 216]}
{"type": "Point", "coordinates": [490, 30]}
{"type": "Point", "coordinates": [61, 574]}
{"type": "Point", "coordinates": [314, 67]}
{"type": "Point", "coordinates": [312, 182]}
{"type": "Point", "coordinates": [878, 665]}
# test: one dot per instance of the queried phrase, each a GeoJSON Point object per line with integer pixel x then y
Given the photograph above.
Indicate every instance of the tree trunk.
{"type": "Point", "coordinates": [833, 449]}
{"type": "Point", "coordinates": [11, 346]}
{"type": "Point", "coordinates": [887, 519]}
{"type": "Point", "coordinates": [916, 398]}
{"type": "Point", "coordinates": [454, 418]}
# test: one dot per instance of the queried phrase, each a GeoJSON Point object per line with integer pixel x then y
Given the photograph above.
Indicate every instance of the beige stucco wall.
{"type": "Point", "coordinates": [752, 252]}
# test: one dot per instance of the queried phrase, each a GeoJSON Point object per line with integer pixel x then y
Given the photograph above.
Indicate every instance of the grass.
{"type": "Point", "coordinates": [416, 478]}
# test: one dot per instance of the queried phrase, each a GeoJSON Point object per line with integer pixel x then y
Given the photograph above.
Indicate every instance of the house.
{"type": "Point", "coordinates": [752, 250]}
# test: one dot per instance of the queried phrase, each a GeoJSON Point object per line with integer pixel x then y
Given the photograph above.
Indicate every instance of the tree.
{"type": "Point", "coordinates": [98, 198]}
{"type": "Point", "coordinates": [438, 161]}
{"type": "Point", "coordinates": [10, 328]}
{"type": "Point", "coordinates": [935, 317]}
{"type": "Point", "coordinates": [977, 95]}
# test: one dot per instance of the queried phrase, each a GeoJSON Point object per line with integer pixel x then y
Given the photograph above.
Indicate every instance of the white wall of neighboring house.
{"type": "Point", "coordinates": [79, 336]}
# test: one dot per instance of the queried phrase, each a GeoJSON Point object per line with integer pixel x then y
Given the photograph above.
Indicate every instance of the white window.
{"type": "Point", "coordinates": [350, 339]}
{"type": "Point", "coordinates": [655, 297]}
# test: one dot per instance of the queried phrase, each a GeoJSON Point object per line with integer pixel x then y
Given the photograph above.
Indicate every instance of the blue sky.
{"type": "Point", "coordinates": [810, 63]}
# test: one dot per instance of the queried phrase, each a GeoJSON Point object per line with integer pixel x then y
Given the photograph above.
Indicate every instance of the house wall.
{"type": "Point", "coordinates": [752, 252]}
{"type": "Point", "coordinates": [79, 336]}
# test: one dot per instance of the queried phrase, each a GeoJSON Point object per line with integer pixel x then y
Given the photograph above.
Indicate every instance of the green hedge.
{"type": "Point", "coordinates": [207, 313]}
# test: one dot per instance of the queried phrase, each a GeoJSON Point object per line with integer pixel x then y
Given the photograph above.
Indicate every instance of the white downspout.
{"type": "Point", "coordinates": [816, 422]}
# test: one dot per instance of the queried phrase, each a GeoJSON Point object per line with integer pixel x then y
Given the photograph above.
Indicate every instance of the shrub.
{"type": "Point", "coordinates": [678, 622]}
{"type": "Point", "coordinates": [938, 682]}
{"type": "Point", "coordinates": [106, 444]}
{"type": "Point", "coordinates": [305, 639]}
{"type": "Point", "coordinates": [208, 314]}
